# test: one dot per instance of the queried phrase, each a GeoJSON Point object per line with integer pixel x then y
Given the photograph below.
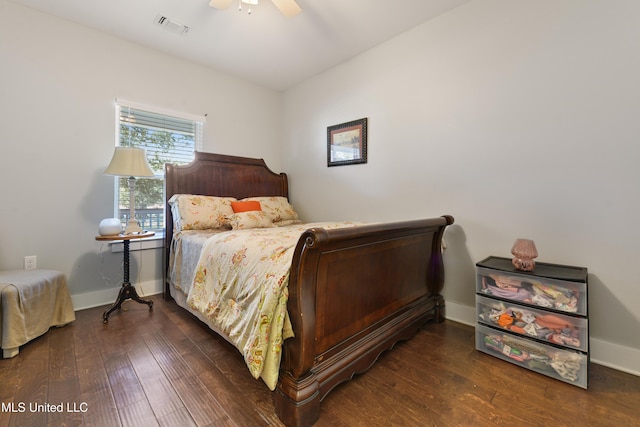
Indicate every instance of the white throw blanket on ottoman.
{"type": "Point", "coordinates": [32, 301]}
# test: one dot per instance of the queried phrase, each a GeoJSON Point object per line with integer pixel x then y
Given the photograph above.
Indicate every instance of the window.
{"type": "Point", "coordinates": [167, 137]}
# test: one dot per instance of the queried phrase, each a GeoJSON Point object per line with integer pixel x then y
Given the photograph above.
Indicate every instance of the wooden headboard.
{"type": "Point", "coordinates": [220, 175]}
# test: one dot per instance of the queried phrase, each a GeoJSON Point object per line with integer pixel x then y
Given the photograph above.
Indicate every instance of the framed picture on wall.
{"type": "Point", "coordinates": [347, 143]}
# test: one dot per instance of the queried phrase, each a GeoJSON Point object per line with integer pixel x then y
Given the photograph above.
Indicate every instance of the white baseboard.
{"type": "Point", "coordinates": [615, 356]}
{"type": "Point", "coordinates": [460, 313]}
{"type": "Point", "coordinates": [108, 296]}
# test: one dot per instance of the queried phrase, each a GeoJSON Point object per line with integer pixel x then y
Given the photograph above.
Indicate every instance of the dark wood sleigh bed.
{"type": "Point", "coordinates": [353, 293]}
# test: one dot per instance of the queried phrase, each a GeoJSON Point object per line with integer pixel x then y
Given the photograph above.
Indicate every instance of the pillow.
{"type": "Point", "coordinates": [250, 219]}
{"type": "Point", "coordinates": [246, 206]}
{"type": "Point", "coordinates": [277, 208]}
{"type": "Point", "coordinates": [195, 212]}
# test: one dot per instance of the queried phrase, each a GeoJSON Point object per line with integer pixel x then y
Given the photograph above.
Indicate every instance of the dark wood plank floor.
{"type": "Point", "coordinates": [162, 368]}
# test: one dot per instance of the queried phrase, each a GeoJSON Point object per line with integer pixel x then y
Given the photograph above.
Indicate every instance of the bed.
{"type": "Point", "coordinates": [354, 290]}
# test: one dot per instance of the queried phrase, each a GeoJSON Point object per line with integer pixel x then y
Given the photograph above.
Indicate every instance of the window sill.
{"type": "Point", "coordinates": [154, 242]}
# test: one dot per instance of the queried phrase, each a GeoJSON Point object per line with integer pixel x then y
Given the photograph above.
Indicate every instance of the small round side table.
{"type": "Point", "coordinates": [127, 291]}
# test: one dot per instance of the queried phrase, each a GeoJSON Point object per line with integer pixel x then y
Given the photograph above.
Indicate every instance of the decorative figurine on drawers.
{"type": "Point", "coordinates": [524, 251]}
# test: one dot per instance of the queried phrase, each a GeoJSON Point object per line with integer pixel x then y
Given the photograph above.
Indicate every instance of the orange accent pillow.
{"type": "Point", "coordinates": [246, 206]}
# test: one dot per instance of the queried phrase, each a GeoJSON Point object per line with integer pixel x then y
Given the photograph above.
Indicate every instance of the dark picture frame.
{"type": "Point", "coordinates": [347, 143]}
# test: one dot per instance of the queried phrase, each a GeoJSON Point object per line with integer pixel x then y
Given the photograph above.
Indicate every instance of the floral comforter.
{"type": "Point", "coordinates": [240, 285]}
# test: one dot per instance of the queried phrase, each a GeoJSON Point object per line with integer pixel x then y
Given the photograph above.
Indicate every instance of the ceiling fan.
{"type": "Point", "coordinates": [289, 8]}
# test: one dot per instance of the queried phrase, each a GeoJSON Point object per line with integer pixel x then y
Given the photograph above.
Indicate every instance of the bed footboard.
{"type": "Point", "coordinates": [354, 293]}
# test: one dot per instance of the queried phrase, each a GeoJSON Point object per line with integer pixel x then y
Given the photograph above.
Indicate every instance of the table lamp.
{"type": "Point", "coordinates": [131, 162]}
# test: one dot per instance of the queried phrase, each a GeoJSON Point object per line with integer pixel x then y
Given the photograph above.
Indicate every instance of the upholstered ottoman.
{"type": "Point", "coordinates": [32, 301]}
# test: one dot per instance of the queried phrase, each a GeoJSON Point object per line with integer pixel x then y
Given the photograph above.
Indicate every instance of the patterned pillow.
{"type": "Point", "coordinates": [195, 212]}
{"type": "Point", "coordinates": [277, 208]}
{"type": "Point", "coordinates": [250, 219]}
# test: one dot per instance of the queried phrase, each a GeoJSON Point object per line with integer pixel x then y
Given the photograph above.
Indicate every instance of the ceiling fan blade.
{"type": "Point", "coordinates": [220, 4]}
{"type": "Point", "coordinates": [289, 8]}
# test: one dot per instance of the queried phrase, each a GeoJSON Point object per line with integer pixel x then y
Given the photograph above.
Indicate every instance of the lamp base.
{"type": "Point", "coordinates": [133, 227]}
{"type": "Point", "coordinates": [523, 264]}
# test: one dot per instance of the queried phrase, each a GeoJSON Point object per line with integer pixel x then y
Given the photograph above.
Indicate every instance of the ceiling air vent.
{"type": "Point", "coordinates": [171, 25]}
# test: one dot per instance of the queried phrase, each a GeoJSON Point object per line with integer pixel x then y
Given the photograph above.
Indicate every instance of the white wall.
{"type": "Point", "coordinates": [58, 84]}
{"type": "Point", "coordinates": [517, 117]}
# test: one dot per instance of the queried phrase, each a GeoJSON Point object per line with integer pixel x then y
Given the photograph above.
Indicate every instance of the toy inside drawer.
{"type": "Point", "coordinates": [555, 328]}
{"type": "Point", "coordinates": [563, 364]}
{"type": "Point", "coordinates": [560, 295]}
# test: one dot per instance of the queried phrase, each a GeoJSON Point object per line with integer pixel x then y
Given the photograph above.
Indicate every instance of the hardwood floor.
{"type": "Point", "coordinates": [163, 368]}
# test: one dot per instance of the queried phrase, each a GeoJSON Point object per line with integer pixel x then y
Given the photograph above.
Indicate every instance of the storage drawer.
{"type": "Point", "coordinates": [544, 292]}
{"type": "Point", "coordinates": [548, 326]}
{"type": "Point", "coordinates": [565, 365]}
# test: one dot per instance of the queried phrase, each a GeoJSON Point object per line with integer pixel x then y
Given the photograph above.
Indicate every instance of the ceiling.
{"type": "Point", "coordinates": [264, 47]}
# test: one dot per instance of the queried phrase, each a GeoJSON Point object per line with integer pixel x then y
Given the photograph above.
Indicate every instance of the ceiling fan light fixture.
{"type": "Point", "coordinates": [249, 2]}
{"type": "Point", "coordinates": [288, 8]}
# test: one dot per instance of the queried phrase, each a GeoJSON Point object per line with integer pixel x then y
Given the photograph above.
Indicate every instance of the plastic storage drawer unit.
{"type": "Point", "coordinates": [561, 295]}
{"type": "Point", "coordinates": [554, 328]}
{"type": "Point", "coordinates": [536, 319]}
{"type": "Point", "coordinates": [563, 364]}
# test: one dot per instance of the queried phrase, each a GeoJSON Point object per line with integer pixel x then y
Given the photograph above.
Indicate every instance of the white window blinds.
{"type": "Point", "coordinates": [166, 138]}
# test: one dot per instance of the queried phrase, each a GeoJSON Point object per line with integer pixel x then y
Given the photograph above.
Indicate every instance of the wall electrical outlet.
{"type": "Point", "coordinates": [30, 262]}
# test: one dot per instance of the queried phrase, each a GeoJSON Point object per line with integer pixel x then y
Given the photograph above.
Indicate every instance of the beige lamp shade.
{"type": "Point", "coordinates": [129, 161]}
